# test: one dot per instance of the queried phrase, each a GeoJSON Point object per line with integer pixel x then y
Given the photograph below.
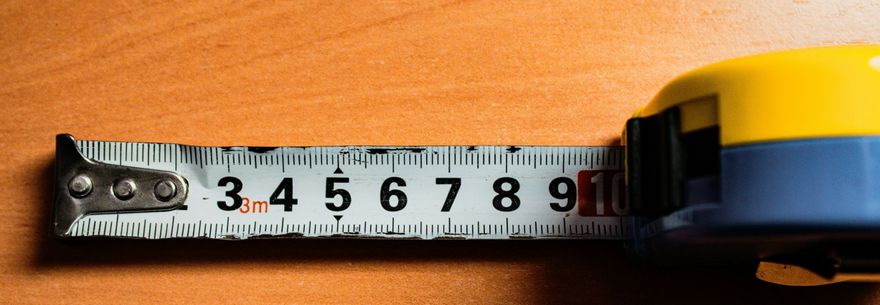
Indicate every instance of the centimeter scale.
{"type": "Point", "coordinates": [462, 192]}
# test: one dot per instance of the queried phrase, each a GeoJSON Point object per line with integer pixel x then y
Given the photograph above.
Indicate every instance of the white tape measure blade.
{"type": "Point", "coordinates": [432, 192]}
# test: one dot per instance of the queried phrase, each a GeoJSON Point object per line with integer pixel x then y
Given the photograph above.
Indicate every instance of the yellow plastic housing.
{"type": "Point", "coordinates": [809, 93]}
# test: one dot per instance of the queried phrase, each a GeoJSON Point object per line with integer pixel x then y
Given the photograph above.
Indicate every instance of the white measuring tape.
{"type": "Point", "coordinates": [433, 192]}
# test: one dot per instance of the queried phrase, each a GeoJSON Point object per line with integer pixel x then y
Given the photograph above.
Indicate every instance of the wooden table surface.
{"type": "Point", "coordinates": [357, 72]}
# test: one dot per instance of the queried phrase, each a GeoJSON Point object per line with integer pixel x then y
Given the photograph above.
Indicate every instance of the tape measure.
{"type": "Point", "coordinates": [773, 158]}
{"type": "Point", "coordinates": [435, 192]}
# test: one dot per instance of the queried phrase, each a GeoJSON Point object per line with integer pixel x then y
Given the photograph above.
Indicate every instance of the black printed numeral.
{"type": "Point", "coordinates": [332, 192]}
{"type": "Point", "coordinates": [386, 193]}
{"type": "Point", "coordinates": [283, 195]}
{"type": "Point", "coordinates": [454, 186]}
{"type": "Point", "coordinates": [509, 194]}
{"type": "Point", "coordinates": [569, 194]}
{"type": "Point", "coordinates": [231, 193]}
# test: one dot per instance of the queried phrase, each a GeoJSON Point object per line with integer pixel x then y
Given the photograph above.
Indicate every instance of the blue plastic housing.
{"type": "Point", "coordinates": [772, 199]}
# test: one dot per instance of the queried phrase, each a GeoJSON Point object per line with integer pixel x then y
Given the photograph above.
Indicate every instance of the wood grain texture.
{"type": "Point", "coordinates": [358, 72]}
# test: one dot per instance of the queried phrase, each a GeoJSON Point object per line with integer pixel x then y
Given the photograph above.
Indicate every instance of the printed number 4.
{"type": "Point", "coordinates": [285, 189]}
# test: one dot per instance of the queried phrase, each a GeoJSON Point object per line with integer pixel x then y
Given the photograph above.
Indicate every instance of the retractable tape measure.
{"type": "Point", "coordinates": [772, 158]}
{"type": "Point", "coordinates": [374, 192]}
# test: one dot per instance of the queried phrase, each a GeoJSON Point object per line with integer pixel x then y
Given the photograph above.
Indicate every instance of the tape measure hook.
{"type": "Point", "coordinates": [84, 186]}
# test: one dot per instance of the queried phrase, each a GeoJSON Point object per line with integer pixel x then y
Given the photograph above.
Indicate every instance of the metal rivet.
{"type": "Point", "coordinates": [124, 189]}
{"type": "Point", "coordinates": [80, 186]}
{"type": "Point", "coordinates": [165, 190]}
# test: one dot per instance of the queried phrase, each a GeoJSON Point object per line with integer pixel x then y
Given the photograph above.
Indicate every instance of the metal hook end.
{"type": "Point", "coordinates": [84, 186]}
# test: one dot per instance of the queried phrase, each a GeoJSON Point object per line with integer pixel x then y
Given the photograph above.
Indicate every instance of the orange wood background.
{"type": "Point", "coordinates": [358, 72]}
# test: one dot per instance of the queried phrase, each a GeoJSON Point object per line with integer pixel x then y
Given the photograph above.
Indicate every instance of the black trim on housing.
{"type": "Point", "coordinates": [660, 159]}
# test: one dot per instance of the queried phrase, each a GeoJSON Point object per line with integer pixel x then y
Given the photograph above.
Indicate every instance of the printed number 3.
{"type": "Point", "coordinates": [232, 193]}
